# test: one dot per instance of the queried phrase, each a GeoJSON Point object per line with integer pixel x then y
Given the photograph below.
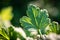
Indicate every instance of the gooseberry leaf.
{"type": "Point", "coordinates": [36, 18]}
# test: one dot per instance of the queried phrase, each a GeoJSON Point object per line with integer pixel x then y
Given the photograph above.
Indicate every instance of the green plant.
{"type": "Point", "coordinates": [39, 20]}
{"type": "Point", "coordinates": [54, 27]}
{"type": "Point", "coordinates": [8, 32]}
{"type": "Point", "coordinates": [36, 18]}
{"type": "Point", "coordinates": [12, 33]}
{"type": "Point", "coordinates": [5, 15]}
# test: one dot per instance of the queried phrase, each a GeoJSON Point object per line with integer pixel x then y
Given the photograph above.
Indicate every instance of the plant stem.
{"type": "Point", "coordinates": [39, 31]}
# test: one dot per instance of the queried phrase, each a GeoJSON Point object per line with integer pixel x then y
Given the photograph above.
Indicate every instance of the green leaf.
{"type": "Point", "coordinates": [54, 27]}
{"type": "Point", "coordinates": [12, 33]}
{"type": "Point", "coordinates": [4, 33]}
{"type": "Point", "coordinates": [35, 18]}
{"type": "Point", "coordinates": [26, 22]}
{"type": "Point", "coordinates": [2, 37]}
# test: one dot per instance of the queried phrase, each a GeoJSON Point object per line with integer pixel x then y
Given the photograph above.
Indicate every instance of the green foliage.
{"type": "Point", "coordinates": [36, 18]}
{"type": "Point", "coordinates": [8, 32]}
{"type": "Point", "coordinates": [36, 21]}
{"type": "Point", "coordinates": [54, 27]}
{"type": "Point", "coordinates": [4, 34]}
{"type": "Point", "coordinates": [11, 33]}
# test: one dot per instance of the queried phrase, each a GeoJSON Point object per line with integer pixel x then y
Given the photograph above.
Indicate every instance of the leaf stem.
{"type": "Point", "coordinates": [39, 31]}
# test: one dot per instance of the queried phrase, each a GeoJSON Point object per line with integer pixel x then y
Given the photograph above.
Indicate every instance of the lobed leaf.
{"type": "Point", "coordinates": [35, 18]}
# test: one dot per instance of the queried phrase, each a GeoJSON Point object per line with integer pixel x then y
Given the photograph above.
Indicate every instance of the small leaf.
{"type": "Point", "coordinates": [54, 27]}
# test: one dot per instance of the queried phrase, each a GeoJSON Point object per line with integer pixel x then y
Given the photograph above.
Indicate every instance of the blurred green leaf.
{"type": "Point", "coordinates": [54, 27]}
{"type": "Point", "coordinates": [12, 33]}
{"type": "Point", "coordinates": [6, 13]}
{"type": "Point", "coordinates": [4, 33]}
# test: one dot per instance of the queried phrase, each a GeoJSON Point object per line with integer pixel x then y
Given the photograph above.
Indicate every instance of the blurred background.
{"type": "Point", "coordinates": [19, 8]}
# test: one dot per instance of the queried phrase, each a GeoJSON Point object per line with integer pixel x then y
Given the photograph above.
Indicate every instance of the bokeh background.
{"type": "Point", "coordinates": [20, 7]}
